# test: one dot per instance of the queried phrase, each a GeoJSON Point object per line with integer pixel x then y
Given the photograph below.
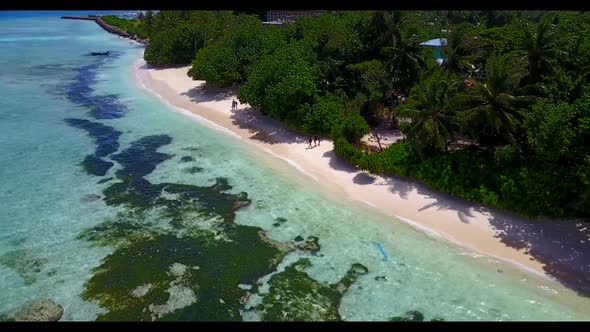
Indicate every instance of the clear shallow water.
{"type": "Point", "coordinates": [45, 203]}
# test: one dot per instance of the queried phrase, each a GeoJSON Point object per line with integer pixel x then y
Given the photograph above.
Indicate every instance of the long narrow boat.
{"type": "Point", "coordinates": [100, 53]}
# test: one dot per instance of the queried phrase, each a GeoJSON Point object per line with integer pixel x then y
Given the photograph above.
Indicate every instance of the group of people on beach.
{"type": "Point", "coordinates": [315, 140]}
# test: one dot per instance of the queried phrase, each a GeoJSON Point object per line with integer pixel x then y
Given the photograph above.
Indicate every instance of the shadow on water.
{"type": "Point", "coordinates": [80, 92]}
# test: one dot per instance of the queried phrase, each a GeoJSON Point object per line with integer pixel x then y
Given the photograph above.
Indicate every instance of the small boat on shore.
{"type": "Point", "coordinates": [100, 53]}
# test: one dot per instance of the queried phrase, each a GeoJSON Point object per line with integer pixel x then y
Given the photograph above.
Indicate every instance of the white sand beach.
{"type": "Point", "coordinates": [529, 244]}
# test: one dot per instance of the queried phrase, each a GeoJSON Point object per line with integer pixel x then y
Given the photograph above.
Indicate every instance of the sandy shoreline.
{"type": "Point", "coordinates": [555, 250]}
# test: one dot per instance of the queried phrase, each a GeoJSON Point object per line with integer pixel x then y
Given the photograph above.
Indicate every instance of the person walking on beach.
{"type": "Point", "coordinates": [310, 139]}
{"type": "Point", "coordinates": [233, 104]}
{"type": "Point", "coordinates": [317, 138]}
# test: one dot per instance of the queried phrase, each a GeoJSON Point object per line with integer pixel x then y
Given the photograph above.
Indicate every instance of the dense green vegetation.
{"type": "Point", "coordinates": [132, 26]}
{"type": "Point", "coordinates": [504, 120]}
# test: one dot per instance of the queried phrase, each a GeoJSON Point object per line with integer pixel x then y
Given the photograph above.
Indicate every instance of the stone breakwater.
{"type": "Point", "coordinates": [109, 28]}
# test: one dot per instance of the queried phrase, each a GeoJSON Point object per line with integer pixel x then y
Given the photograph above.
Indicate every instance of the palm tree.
{"type": "Point", "coordinates": [539, 48]}
{"type": "Point", "coordinates": [492, 109]}
{"type": "Point", "coordinates": [405, 63]}
{"type": "Point", "coordinates": [388, 26]}
{"type": "Point", "coordinates": [428, 107]}
{"type": "Point", "coordinates": [401, 49]}
{"type": "Point", "coordinates": [456, 50]}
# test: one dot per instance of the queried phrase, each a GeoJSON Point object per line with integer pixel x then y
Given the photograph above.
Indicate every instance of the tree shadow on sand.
{"type": "Point", "coordinates": [559, 245]}
{"type": "Point", "coordinates": [363, 179]}
{"type": "Point", "coordinates": [441, 201]}
{"type": "Point", "coordinates": [338, 163]}
{"type": "Point", "coordinates": [204, 93]}
{"type": "Point", "coordinates": [161, 67]}
{"type": "Point", "coordinates": [263, 128]}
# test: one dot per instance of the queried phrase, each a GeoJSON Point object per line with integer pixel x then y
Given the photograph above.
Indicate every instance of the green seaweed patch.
{"type": "Point", "coordinates": [279, 221]}
{"type": "Point", "coordinates": [107, 142]}
{"type": "Point", "coordinates": [295, 296]}
{"type": "Point", "coordinates": [299, 238]}
{"type": "Point", "coordinates": [104, 180]}
{"type": "Point", "coordinates": [191, 149]}
{"type": "Point", "coordinates": [115, 232]}
{"type": "Point", "coordinates": [140, 280]}
{"type": "Point", "coordinates": [214, 271]}
{"type": "Point", "coordinates": [140, 195]}
{"type": "Point", "coordinates": [24, 263]}
{"type": "Point", "coordinates": [142, 157]}
{"type": "Point", "coordinates": [186, 159]}
{"type": "Point", "coordinates": [211, 200]}
{"type": "Point", "coordinates": [193, 170]}
{"type": "Point", "coordinates": [311, 245]}
{"type": "Point", "coordinates": [95, 165]}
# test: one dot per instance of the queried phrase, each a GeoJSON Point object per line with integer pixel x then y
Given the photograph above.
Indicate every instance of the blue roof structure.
{"type": "Point", "coordinates": [435, 42]}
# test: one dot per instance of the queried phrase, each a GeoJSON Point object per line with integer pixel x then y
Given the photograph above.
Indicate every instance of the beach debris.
{"type": "Point", "coordinates": [382, 251]}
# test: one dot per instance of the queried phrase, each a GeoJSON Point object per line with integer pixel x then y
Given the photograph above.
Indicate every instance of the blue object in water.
{"type": "Point", "coordinates": [382, 251]}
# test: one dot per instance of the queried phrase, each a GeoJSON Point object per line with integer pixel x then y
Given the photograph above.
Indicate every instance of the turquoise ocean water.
{"type": "Point", "coordinates": [104, 190]}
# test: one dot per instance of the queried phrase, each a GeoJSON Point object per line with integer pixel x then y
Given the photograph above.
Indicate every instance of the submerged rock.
{"type": "Point", "coordinates": [410, 316]}
{"type": "Point", "coordinates": [193, 170]}
{"type": "Point", "coordinates": [90, 198]}
{"type": "Point", "coordinates": [279, 221]}
{"type": "Point", "coordinates": [24, 263]}
{"type": "Point", "coordinates": [38, 310]}
{"type": "Point", "coordinates": [187, 159]}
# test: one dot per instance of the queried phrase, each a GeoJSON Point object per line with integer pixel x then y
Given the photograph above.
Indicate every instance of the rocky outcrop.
{"type": "Point", "coordinates": [38, 310]}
